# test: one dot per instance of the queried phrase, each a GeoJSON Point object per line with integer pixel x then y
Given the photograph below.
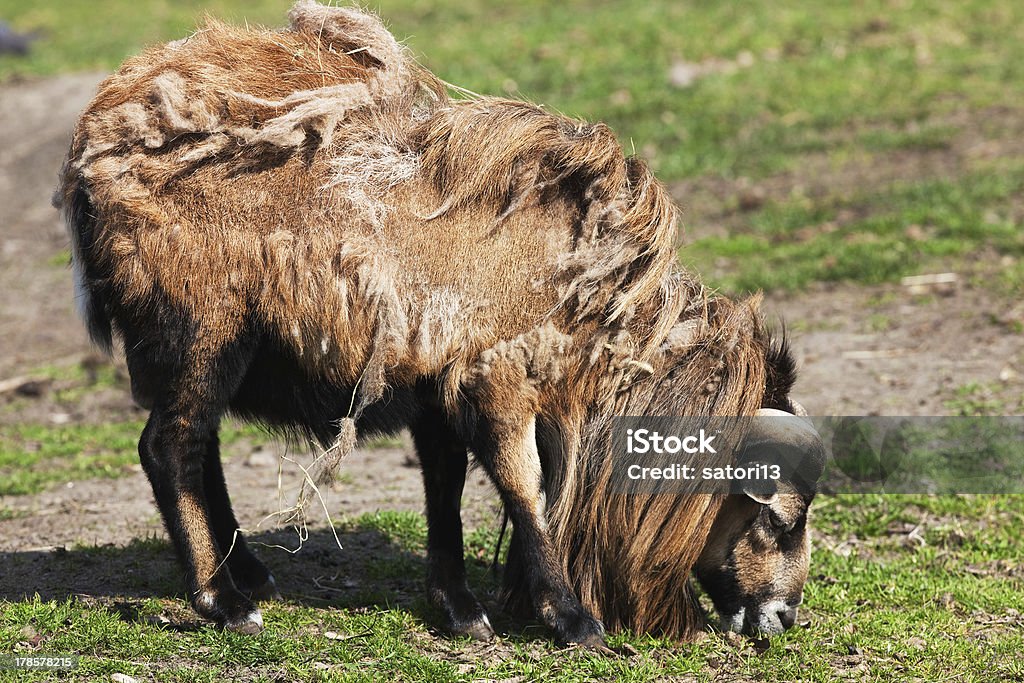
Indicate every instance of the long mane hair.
{"type": "Point", "coordinates": [659, 344]}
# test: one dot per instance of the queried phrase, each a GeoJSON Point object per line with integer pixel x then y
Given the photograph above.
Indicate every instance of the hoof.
{"type": "Point", "coordinates": [596, 643]}
{"type": "Point", "coordinates": [250, 624]}
{"type": "Point", "coordinates": [581, 629]}
{"type": "Point", "coordinates": [464, 615]}
{"type": "Point", "coordinates": [480, 629]}
{"type": "Point", "coordinates": [268, 591]}
{"type": "Point", "coordinates": [229, 609]}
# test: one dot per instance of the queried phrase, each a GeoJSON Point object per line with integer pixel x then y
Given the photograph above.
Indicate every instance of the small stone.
{"type": "Point", "coordinates": [261, 457]}
{"type": "Point", "coordinates": [745, 59]}
{"type": "Point", "coordinates": [684, 74]}
{"type": "Point", "coordinates": [123, 678]}
{"type": "Point", "coordinates": [751, 199]}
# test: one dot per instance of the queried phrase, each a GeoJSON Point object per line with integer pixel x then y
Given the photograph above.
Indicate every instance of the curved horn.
{"type": "Point", "coordinates": [778, 437]}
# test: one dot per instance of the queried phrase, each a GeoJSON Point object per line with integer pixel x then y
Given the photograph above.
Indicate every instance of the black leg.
{"type": "Point", "coordinates": [508, 449]}
{"type": "Point", "coordinates": [443, 460]}
{"type": "Point", "coordinates": [249, 574]}
{"type": "Point", "coordinates": [516, 593]}
{"type": "Point", "coordinates": [173, 450]}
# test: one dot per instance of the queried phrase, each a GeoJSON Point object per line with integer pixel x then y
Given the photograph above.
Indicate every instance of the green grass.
{"type": "Point", "coordinates": [974, 399]}
{"type": "Point", "coordinates": [832, 103]}
{"type": "Point", "coordinates": [867, 237]}
{"type": "Point", "coordinates": [34, 456]}
{"type": "Point", "coordinates": [978, 452]}
{"type": "Point", "coordinates": [838, 83]}
{"type": "Point", "coordinates": [932, 608]}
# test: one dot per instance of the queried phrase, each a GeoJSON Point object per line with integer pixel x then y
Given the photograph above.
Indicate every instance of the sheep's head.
{"type": "Point", "coordinates": [756, 559]}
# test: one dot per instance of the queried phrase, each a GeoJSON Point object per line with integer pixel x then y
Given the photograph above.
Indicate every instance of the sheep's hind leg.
{"type": "Point", "coordinates": [173, 450]}
{"type": "Point", "coordinates": [443, 460]}
{"type": "Point", "coordinates": [249, 574]}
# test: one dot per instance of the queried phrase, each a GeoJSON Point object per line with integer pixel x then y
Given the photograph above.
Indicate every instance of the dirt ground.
{"type": "Point", "coordinates": [880, 350]}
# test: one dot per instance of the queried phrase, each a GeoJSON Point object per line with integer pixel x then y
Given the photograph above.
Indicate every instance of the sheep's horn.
{"type": "Point", "coordinates": [778, 437]}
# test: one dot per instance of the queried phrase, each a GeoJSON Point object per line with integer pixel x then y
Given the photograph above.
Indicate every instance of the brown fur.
{"type": "Point", "coordinates": [317, 181]}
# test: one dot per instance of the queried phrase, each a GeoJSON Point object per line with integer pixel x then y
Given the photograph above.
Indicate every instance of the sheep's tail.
{"type": "Point", "coordinates": [90, 299]}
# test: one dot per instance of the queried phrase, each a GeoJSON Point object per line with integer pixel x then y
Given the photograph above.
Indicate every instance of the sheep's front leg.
{"type": "Point", "coordinates": [506, 445]}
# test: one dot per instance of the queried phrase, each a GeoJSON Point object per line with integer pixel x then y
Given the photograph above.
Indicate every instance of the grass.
{"type": "Point", "coordinates": [883, 608]}
{"type": "Point", "coordinates": [882, 136]}
{"type": "Point", "coordinates": [977, 453]}
{"type": "Point", "coordinates": [974, 399]}
{"type": "Point", "coordinates": [855, 85]}
{"type": "Point", "coordinates": [33, 456]}
{"type": "Point", "coordinates": [869, 237]}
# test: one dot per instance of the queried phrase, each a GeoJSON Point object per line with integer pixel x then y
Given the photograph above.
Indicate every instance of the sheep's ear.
{"type": "Point", "coordinates": [763, 492]}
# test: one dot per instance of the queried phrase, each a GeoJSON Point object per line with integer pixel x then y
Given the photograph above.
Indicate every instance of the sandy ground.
{"type": "Point", "coordinates": [874, 350]}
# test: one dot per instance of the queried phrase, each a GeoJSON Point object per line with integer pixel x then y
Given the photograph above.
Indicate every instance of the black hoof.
{"type": "Point", "coordinates": [578, 627]}
{"type": "Point", "coordinates": [250, 624]}
{"type": "Point", "coordinates": [480, 629]}
{"type": "Point", "coordinates": [250, 575]}
{"type": "Point", "coordinates": [267, 591]}
{"type": "Point", "coordinates": [229, 609]}
{"type": "Point", "coordinates": [464, 615]}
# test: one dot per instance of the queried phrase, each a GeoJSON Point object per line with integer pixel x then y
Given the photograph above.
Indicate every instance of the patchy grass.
{"type": "Point", "coordinates": [781, 86]}
{"type": "Point", "coordinates": [33, 456]}
{"type": "Point", "coordinates": [974, 399]}
{"type": "Point", "coordinates": [883, 603]}
{"type": "Point", "coordinates": [869, 237]}
{"type": "Point", "coordinates": [982, 453]}
{"type": "Point", "coordinates": [902, 587]}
